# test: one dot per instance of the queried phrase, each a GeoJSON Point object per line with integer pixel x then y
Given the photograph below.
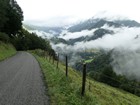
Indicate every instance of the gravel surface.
{"type": "Point", "coordinates": [21, 81]}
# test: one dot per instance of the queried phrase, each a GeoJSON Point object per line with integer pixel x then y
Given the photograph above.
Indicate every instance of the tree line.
{"type": "Point", "coordinates": [11, 17]}
{"type": "Point", "coordinates": [11, 30]}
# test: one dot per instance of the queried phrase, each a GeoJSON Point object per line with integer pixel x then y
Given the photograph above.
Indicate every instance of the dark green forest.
{"type": "Point", "coordinates": [11, 31]}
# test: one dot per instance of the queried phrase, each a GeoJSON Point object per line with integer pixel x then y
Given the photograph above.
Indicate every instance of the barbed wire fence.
{"type": "Point", "coordinates": [83, 72]}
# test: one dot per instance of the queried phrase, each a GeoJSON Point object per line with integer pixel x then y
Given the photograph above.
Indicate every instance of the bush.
{"type": "Point", "coordinates": [4, 37]}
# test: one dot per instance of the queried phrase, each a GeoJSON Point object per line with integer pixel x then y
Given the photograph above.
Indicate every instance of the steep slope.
{"type": "Point", "coordinates": [122, 65]}
{"type": "Point", "coordinates": [6, 50]}
{"type": "Point", "coordinates": [67, 91]}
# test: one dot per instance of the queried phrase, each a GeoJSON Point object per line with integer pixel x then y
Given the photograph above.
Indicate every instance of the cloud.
{"type": "Point", "coordinates": [55, 21]}
{"type": "Point", "coordinates": [108, 15]}
{"type": "Point", "coordinates": [81, 9]}
{"type": "Point", "coordinates": [42, 33]}
{"type": "Point", "coordinates": [124, 38]}
{"type": "Point", "coordinates": [69, 35]}
{"type": "Point", "coordinates": [125, 42]}
{"type": "Point", "coordinates": [127, 62]}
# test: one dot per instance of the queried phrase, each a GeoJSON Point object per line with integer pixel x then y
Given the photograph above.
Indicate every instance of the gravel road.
{"type": "Point", "coordinates": [21, 81]}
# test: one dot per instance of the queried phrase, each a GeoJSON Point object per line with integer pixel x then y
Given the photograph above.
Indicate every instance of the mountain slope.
{"type": "Point", "coordinates": [96, 28]}
{"type": "Point", "coordinates": [99, 33]}
{"type": "Point", "coordinates": [66, 91]}
{"type": "Point", "coordinates": [128, 23]}
{"type": "Point", "coordinates": [98, 23]}
{"type": "Point", "coordinates": [121, 66]}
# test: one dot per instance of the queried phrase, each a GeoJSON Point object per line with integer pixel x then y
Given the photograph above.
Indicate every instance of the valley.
{"type": "Point", "coordinates": [109, 47]}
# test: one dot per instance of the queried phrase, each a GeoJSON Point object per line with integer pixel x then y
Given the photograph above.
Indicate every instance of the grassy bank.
{"type": "Point", "coordinates": [66, 91]}
{"type": "Point", "coordinates": [6, 50]}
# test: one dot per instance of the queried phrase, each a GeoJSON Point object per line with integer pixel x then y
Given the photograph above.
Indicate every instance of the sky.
{"type": "Point", "coordinates": [66, 12]}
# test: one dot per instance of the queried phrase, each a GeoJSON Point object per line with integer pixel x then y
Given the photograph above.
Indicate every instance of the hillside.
{"type": "Point", "coordinates": [95, 29]}
{"type": "Point", "coordinates": [6, 50]}
{"type": "Point", "coordinates": [66, 91]}
{"type": "Point", "coordinates": [99, 22]}
{"type": "Point", "coordinates": [121, 40]}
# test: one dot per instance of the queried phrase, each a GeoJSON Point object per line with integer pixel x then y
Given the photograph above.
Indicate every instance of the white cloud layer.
{"type": "Point", "coordinates": [124, 38]}
{"type": "Point", "coordinates": [53, 12]}
{"type": "Point", "coordinates": [69, 35]}
{"type": "Point", "coordinates": [126, 45]}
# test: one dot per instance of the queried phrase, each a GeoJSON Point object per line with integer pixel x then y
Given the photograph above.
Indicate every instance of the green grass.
{"type": "Point", "coordinates": [67, 91]}
{"type": "Point", "coordinates": [6, 50]}
{"type": "Point", "coordinates": [88, 61]}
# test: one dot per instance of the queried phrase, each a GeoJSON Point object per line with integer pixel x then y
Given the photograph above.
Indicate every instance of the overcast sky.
{"type": "Point", "coordinates": [65, 12]}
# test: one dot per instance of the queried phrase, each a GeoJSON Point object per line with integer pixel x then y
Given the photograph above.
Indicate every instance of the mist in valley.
{"type": "Point", "coordinates": [125, 43]}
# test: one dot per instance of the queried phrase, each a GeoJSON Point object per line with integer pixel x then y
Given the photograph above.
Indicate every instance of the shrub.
{"type": "Point", "coordinates": [4, 37]}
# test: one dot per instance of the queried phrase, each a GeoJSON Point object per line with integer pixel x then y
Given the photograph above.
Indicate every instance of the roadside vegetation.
{"type": "Point", "coordinates": [67, 90]}
{"type": "Point", "coordinates": [6, 50]}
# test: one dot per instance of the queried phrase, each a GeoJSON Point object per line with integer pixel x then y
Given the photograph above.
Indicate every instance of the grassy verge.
{"type": "Point", "coordinates": [6, 50]}
{"type": "Point", "coordinates": [66, 91]}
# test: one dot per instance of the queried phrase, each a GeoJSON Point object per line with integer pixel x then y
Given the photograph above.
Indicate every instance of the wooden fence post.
{"type": "Point", "coordinates": [66, 66]}
{"type": "Point", "coordinates": [83, 80]}
{"type": "Point", "coordinates": [49, 57]}
{"type": "Point", "coordinates": [44, 54]}
{"type": "Point", "coordinates": [53, 59]}
{"type": "Point", "coordinates": [57, 61]}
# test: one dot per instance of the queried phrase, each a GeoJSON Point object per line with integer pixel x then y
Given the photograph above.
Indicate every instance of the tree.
{"type": "Point", "coordinates": [3, 18]}
{"type": "Point", "coordinates": [109, 76]}
{"type": "Point", "coordinates": [11, 17]}
{"type": "Point", "coordinates": [30, 41]}
{"type": "Point", "coordinates": [4, 37]}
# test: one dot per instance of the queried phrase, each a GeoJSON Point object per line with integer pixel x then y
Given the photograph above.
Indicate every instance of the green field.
{"type": "Point", "coordinates": [67, 91]}
{"type": "Point", "coordinates": [6, 50]}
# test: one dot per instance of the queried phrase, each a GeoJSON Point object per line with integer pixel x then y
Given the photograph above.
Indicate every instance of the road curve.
{"type": "Point", "coordinates": [21, 81]}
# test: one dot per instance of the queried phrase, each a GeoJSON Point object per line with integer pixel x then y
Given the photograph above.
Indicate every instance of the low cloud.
{"type": "Point", "coordinates": [128, 38]}
{"type": "Point", "coordinates": [108, 15]}
{"type": "Point", "coordinates": [69, 35]}
{"type": "Point", "coordinates": [125, 42]}
{"type": "Point", "coordinates": [56, 21]}
{"type": "Point", "coordinates": [127, 62]}
{"type": "Point", "coordinates": [42, 34]}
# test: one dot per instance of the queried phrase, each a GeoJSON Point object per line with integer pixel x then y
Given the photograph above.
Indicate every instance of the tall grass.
{"type": "Point", "coordinates": [67, 91]}
{"type": "Point", "coordinates": [6, 50]}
